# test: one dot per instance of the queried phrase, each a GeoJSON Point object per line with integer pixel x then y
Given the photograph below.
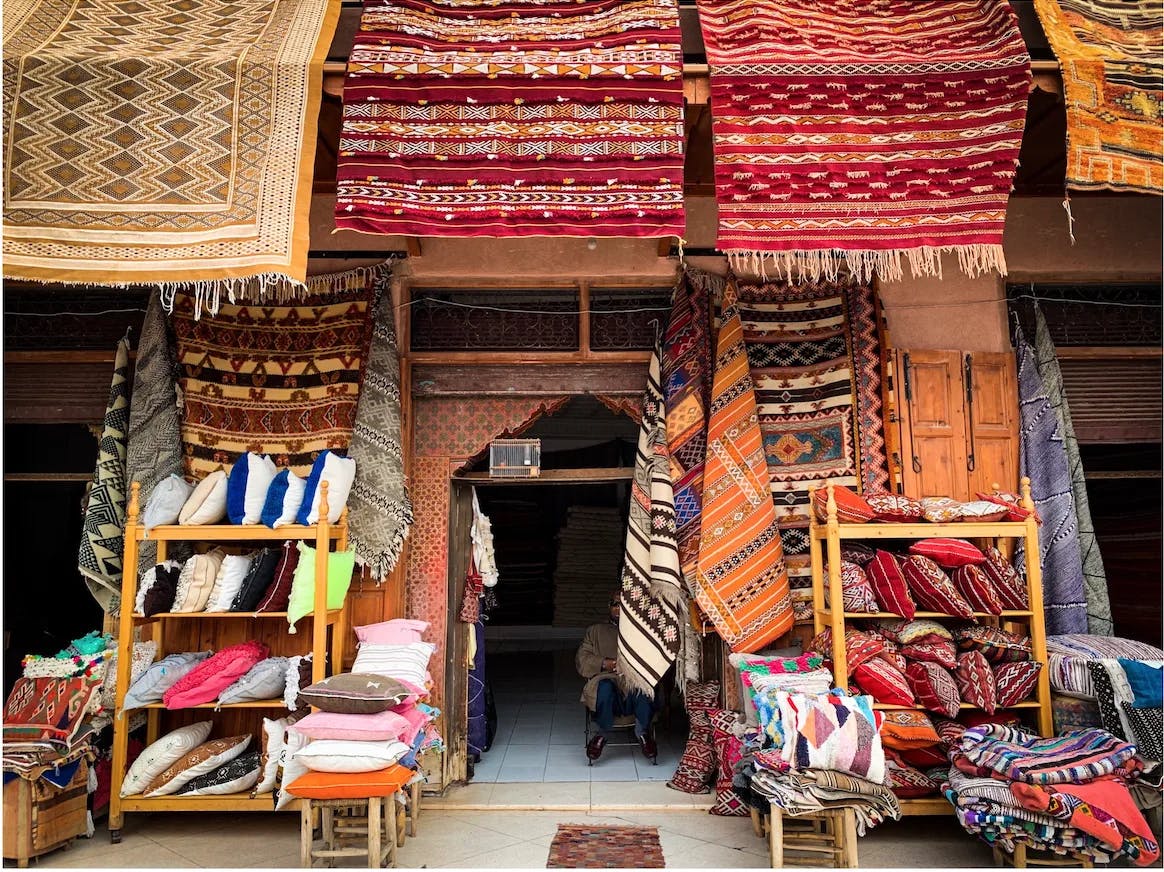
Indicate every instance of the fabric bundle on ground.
{"type": "Point", "coordinates": [532, 118]}
{"type": "Point", "coordinates": [168, 144]}
{"type": "Point", "coordinates": [1043, 458]}
{"type": "Point", "coordinates": [857, 134]}
{"type": "Point", "coordinates": [101, 550]}
{"type": "Point", "coordinates": [1110, 56]}
{"type": "Point", "coordinates": [379, 510]}
{"type": "Point", "coordinates": [1068, 793]}
{"type": "Point", "coordinates": [742, 580]}
{"type": "Point", "coordinates": [154, 447]}
{"type": "Point", "coordinates": [281, 380]}
{"type": "Point", "coordinates": [1099, 620]}
{"type": "Point", "coordinates": [653, 601]}
{"type": "Point", "coordinates": [815, 358]}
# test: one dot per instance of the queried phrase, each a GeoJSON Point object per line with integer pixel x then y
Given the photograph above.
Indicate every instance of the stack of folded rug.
{"type": "Point", "coordinates": [1068, 794]}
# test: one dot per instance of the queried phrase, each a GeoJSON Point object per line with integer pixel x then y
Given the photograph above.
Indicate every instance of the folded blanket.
{"type": "Point", "coordinates": [1102, 808]}
{"type": "Point", "coordinates": [1078, 756]}
{"type": "Point", "coordinates": [813, 790]}
{"type": "Point", "coordinates": [1006, 832]}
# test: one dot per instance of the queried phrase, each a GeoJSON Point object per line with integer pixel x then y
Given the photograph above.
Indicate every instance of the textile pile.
{"type": "Point", "coordinates": [198, 173]}
{"type": "Point", "coordinates": [536, 118]}
{"type": "Point", "coordinates": [1113, 85]}
{"type": "Point", "coordinates": [590, 552]}
{"type": "Point", "coordinates": [1068, 794]}
{"type": "Point", "coordinates": [814, 352]}
{"type": "Point", "coordinates": [865, 136]}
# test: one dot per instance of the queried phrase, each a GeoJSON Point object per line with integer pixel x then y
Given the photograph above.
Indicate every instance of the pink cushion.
{"type": "Point", "coordinates": [948, 553]}
{"type": "Point", "coordinates": [398, 631]}
{"type": "Point", "coordinates": [367, 728]}
{"type": "Point", "coordinates": [215, 674]}
{"type": "Point", "coordinates": [417, 720]}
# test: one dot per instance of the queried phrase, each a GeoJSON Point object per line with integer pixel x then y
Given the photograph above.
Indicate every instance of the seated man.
{"type": "Point", "coordinates": [597, 662]}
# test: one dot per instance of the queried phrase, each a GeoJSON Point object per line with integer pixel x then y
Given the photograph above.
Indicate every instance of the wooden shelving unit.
{"type": "Point", "coordinates": [825, 542]}
{"type": "Point", "coordinates": [322, 535]}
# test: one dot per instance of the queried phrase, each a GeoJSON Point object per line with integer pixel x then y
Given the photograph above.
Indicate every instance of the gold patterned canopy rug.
{"type": "Point", "coordinates": [1112, 56]}
{"type": "Point", "coordinates": [162, 141]}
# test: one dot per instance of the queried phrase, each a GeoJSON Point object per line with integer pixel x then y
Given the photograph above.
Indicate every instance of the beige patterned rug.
{"type": "Point", "coordinates": [162, 141]}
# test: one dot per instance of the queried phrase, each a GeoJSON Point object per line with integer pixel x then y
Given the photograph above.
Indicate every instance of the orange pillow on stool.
{"type": "Point", "coordinates": [352, 785]}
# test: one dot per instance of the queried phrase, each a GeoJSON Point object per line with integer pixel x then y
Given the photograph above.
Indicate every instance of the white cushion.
{"type": "Point", "coordinates": [207, 504]}
{"type": "Point", "coordinates": [284, 497]}
{"type": "Point", "coordinates": [238, 775]}
{"type": "Point", "coordinates": [212, 762]}
{"type": "Point", "coordinates": [196, 581]}
{"type": "Point", "coordinates": [402, 662]}
{"type": "Point", "coordinates": [339, 473]}
{"type": "Point", "coordinates": [228, 581]}
{"type": "Point", "coordinates": [246, 491]}
{"type": "Point", "coordinates": [292, 768]}
{"type": "Point", "coordinates": [160, 677]}
{"type": "Point", "coordinates": [267, 679]}
{"type": "Point", "coordinates": [159, 756]}
{"type": "Point", "coordinates": [164, 505]}
{"type": "Point", "coordinates": [274, 734]}
{"type": "Point", "coordinates": [340, 755]}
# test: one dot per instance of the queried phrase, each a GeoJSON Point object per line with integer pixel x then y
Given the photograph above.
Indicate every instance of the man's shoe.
{"type": "Point", "coordinates": [594, 747]}
{"type": "Point", "coordinates": [650, 749]}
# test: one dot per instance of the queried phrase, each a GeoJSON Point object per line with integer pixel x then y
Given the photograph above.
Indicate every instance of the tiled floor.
{"type": "Point", "coordinates": [541, 722]}
{"type": "Point", "coordinates": [495, 839]}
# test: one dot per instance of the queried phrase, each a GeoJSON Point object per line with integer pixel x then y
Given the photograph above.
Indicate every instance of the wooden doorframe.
{"type": "Point", "coordinates": [456, 698]}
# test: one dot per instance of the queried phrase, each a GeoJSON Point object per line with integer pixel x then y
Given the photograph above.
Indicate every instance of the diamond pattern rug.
{"type": "Point", "coordinates": [580, 847]}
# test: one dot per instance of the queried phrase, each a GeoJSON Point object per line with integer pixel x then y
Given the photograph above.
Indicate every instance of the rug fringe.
{"type": "Point", "coordinates": [800, 265]}
{"type": "Point", "coordinates": [275, 288]}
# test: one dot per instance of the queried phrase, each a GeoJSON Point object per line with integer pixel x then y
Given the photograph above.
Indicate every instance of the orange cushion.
{"type": "Point", "coordinates": [355, 785]}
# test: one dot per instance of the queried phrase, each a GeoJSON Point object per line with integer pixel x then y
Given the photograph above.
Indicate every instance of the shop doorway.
{"type": "Point", "coordinates": [559, 543]}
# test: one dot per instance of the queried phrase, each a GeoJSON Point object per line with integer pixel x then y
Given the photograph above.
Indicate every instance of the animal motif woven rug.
{"type": "Point", "coordinates": [162, 142]}
{"type": "Point", "coordinates": [867, 134]}
{"type": "Point", "coordinates": [815, 358]}
{"type": "Point", "coordinates": [742, 579]}
{"type": "Point", "coordinates": [528, 118]}
{"type": "Point", "coordinates": [1110, 54]}
{"type": "Point", "coordinates": [653, 601]}
{"type": "Point", "coordinates": [581, 847]}
{"type": "Point", "coordinates": [279, 380]}
{"type": "Point", "coordinates": [102, 540]}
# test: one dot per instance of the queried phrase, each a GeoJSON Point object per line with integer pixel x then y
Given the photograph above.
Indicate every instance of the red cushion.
{"type": "Point", "coordinates": [1014, 682]}
{"type": "Point", "coordinates": [906, 782]}
{"type": "Point", "coordinates": [884, 682]}
{"type": "Point", "coordinates": [278, 595]}
{"type": "Point", "coordinates": [949, 553]}
{"type": "Point", "coordinates": [932, 588]}
{"type": "Point", "coordinates": [859, 647]}
{"type": "Point", "coordinates": [851, 508]}
{"type": "Point", "coordinates": [1008, 584]}
{"type": "Point", "coordinates": [943, 652]}
{"type": "Point", "coordinates": [894, 507]}
{"type": "Point", "coordinates": [697, 764]}
{"type": "Point", "coordinates": [728, 750]}
{"type": "Point", "coordinates": [997, 646]}
{"type": "Point", "coordinates": [976, 681]}
{"type": "Point", "coordinates": [215, 674]}
{"type": "Point", "coordinates": [856, 592]}
{"type": "Point", "coordinates": [979, 591]}
{"type": "Point", "coordinates": [935, 688]}
{"type": "Point", "coordinates": [889, 585]}
{"type": "Point", "coordinates": [1015, 510]}
{"type": "Point", "coordinates": [924, 758]}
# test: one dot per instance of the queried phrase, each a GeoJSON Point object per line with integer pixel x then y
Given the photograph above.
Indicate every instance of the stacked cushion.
{"type": "Point", "coordinates": [356, 693]}
{"type": "Point", "coordinates": [278, 593]}
{"type": "Point", "coordinates": [284, 497]}
{"type": "Point", "coordinates": [856, 591]}
{"type": "Point", "coordinates": [932, 588]}
{"type": "Point", "coordinates": [339, 755]}
{"type": "Point", "coordinates": [997, 646]}
{"type": "Point", "coordinates": [159, 586]}
{"type": "Point", "coordinates": [163, 753]}
{"type": "Point", "coordinates": [235, 776]}
{"type": "Point", "coordinates": [363, 728]}
{"type": "Point", "coordinates": [1015, 511]}
{"type": "Point", "coordinates": [942, 652]}
{"type": "Point", "coordinates": [207, 503]}
{"type": "Point", "coordinates": [165, 503]}
{"type": "Point", "coordinates": [975, 681]}
{"type": "Point", "coordinates": [977, 588]}
{"type": "Point", "coordinates": [935, 688]}
{"type": "Point", "coordinates": [246, 489]}
{"type": "Point", "coordinates": [339, 473]}
{"type": "Point", "coordinates": [697, 764]}
{"type": "Point", "coordinates": [1015, 682]}
{"type": "Point", "coordinates": [941, 510]}
{"type": "Point", "coordinates": [265, 680]}
{"type": "Point", "coordinates": [332, 785]}
{"type": "Point", "coordinates": [228, 583]}
{"type": "Point", "coordinates": [728, 750]}
{"type": "Point", "coordinates": [983, 511]}
{"type": "Point", "coordinates": [889, 585]}
{"type": "Point", "coordinates": [209, 678]}
{"type": "Point", "coordinates": [1010, 587]}
{"type": "Point", "coordinates": [884, 682]}
{"type": "Point", "coordinates": [160, 677]}
{"type": "Point", "coordinates": [398, 631]}
{"type": "Point", "coordinates": [894, 508]}
{"type": "Point", "coordinates": [906, 729]}
{"type": "Point", "coordinates": [408, 663]}
{"type": "Point", "coordinates": [340, 566]}
{"type": "Point", "coordinates": [258, 580]}
{"type": "Point", "coordinates": [948, 553]}
{"type": "Point", "coordinates": [196, 581]}
{"type": "Point", "coordinates": [202, 760]}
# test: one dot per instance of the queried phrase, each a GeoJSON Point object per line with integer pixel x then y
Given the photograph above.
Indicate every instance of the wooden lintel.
{"type": "Point", "coordinates": [595, 475]}
{"type": "Point", "coordinates": [412, 244]}
{"type": "Point", "coordinates": [665, 243]}
{"type": "Point", "coordinates": [543, 379]}
{"type": "Point", "coordinates": [1101, 352]}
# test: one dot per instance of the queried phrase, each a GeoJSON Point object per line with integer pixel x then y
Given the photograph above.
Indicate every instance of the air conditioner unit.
{"type": "Point", "coordinates": [515, 458]}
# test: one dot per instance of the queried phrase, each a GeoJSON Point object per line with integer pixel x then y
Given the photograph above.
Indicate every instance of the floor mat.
{"type": "Point", "coordinates": [579, 847]}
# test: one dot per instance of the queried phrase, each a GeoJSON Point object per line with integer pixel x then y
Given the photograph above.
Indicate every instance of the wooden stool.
{"type": "Point", "coordinates": [825, 838]}
{"type": "Point", "coordinates": [413, 807]}
{"type": "Point", "coordinates": [1023, 858]}
{"type": "Point", "coordinates": [372, 834]}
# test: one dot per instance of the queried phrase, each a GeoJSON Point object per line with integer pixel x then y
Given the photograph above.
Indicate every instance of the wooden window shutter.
{"type": "Point", "coordinates": [991, 387]}
{"type": "Point", "coordinates": [932, 419]}
{"type": "Point", "coordinates": [1113, 398]}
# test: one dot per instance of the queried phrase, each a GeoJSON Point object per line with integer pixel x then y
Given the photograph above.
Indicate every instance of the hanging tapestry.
{"type": "Point", "coordinates": [815, 359]}
{"type": "Point", "coordinates": [653, 602]}
{"type": "Point", "coordinates": [1043, 458]}
{"type": "Point", "coordinates": [1112, 59]}
{"type": "Point", "coordinates": [278, 380]}
{"type": "Point", "coordinates": [162, 142]}
{"type": "Point", "coordinates": [154, 449]}
{"type": "Point", "coordinates": [742, 581]}
{"type": "Point", "coordinates": [379, 511]}
{"type": "Point", "coordinates": [477, 730]}
{"type": "Point", "coordinates": [99, 557]}
{"type": "Point", "coordinates": [532, 118]}
{"type": "Point", "coordinates": [1099, 621]}
{"type": "Point", "coordinates": [687, 388]}
{"type": "Point", "coordinates": [857, 134]}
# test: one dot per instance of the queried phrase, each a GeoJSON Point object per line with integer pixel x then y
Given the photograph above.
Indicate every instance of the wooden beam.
{"type": "Point", "coordinates": [1101, 352]}
{"type": "Point", "coordinates": [584, 475]}
{"type": "Point", "coordinates": [481, 377]}
{"type": "Point", "coordinates": [412, 244]}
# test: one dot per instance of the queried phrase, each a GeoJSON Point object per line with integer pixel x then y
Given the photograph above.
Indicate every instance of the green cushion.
{"type": "Point", "coordinates": [340, 565]}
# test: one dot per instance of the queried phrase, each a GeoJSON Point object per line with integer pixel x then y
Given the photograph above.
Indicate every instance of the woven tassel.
{"type": "Point", "coordinates": [829, 264]}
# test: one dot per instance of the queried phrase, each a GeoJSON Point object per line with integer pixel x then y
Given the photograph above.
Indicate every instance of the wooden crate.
{"type": "Point", "coordinates": [39, 818]}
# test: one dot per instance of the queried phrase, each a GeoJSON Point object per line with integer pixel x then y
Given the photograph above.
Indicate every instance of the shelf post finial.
{"type": "Point", "coordinates": [1025, 490]}
{"type": "Point", "coordinates": [131, 511]}
{"type": "Point", "coordinates": [831, 504]}
{"type": "Point", "coordinates": [324, 508]}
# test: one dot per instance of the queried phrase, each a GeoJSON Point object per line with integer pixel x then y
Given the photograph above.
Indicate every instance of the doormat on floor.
{"type": "Point", "coordinates": [579, 847]}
